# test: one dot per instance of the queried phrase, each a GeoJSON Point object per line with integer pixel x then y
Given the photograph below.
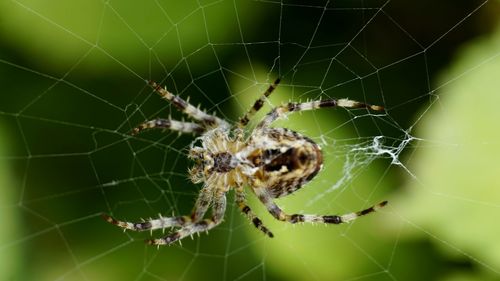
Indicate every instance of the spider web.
{"type": "Point", "coordinates": [73, 86]}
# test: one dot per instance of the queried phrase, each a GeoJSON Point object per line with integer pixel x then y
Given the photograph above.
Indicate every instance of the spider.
{"type": "Point", "coordinates": [273, 162]}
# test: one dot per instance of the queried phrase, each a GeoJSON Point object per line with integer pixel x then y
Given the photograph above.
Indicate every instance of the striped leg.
{"type": "Point", "coordinates": [219, 209]}
{"type": "Point", "coordinates": [186, 107]}
{"type": "Point", "coordinates": [203, 201]}
{"type": "Point", "coordinates": [183, 127]}
{"type": "Point", "coordinates": [283, 110]}
{"type": "Point", "coordinates": [245, 209]}
{"type": "Point", "coordinates": [199, 211]}
{"type": "Point", "coordinates": [258, 104]}
{"type": "Point", "coordinates": [151, 224]}
{"type": "Point", "coordinates": [278, 213]}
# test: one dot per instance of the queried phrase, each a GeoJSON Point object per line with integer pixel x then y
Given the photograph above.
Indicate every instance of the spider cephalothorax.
{"type": "Point", "coordinates": [273, 162]}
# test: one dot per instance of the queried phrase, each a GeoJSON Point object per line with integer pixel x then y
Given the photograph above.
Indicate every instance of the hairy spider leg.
{"type": "Point", "coordinates": [245, 209]}
{"type": "Point", "coordinates": [279, 214]}
{"type": "Point", "coordinates": [258, 104]}
{"type": "Point", "coordinates": [200, 208]}
{"type": "Point", "coordinates": [187, 108]}
{"type": "Point", "coordinates": [150, 224]}
{"type": "Point", "coordinates": [218, 210]}
{"type": "Point", "coordinates": [183, 127]}
{"type": "Point", "coordinates": [283, 110]}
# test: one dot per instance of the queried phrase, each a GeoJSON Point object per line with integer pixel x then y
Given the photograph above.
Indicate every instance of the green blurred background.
{"type": "Point", "coordinates": [72, 76]}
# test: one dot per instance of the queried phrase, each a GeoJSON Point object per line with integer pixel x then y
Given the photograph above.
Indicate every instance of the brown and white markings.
{"type": "Point", "coordinates": [272, 162]}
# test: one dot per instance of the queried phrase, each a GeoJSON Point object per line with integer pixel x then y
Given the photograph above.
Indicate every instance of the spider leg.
{"type": "Point", "coordinates": [258, 104]}
{"type": "Point", "coordinates": [284, 110]}
{"type": "Point", "coordinates": [150, 224]}
{"type": "Point", "coordinates": [279, 214]}
{"type": "Point", "coordinates": [187, 108]}
{"type": "Point", "coordinates": [203, 201]}
{"type": "Point", "coordinates": [218, 211]}
{"type": "Point", "coordinates": [183, 127]}
{"type": "Point", "coordinates": [199, 211]}
{"type": "Point", "coordinates": [245, 209]}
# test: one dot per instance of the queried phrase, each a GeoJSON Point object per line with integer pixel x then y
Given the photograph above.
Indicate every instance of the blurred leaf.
{"type": "Point", "coordinates": [108, 35]}
{"type": "Point", "coordinates": [456, 196]}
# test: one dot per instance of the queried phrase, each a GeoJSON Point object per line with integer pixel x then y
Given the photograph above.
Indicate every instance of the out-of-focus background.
{"type": "Point", "coordinates": [72, 78]}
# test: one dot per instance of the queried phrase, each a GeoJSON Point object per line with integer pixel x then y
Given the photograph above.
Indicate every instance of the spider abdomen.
{"type": "Point", "coordinates": [291, 161]}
